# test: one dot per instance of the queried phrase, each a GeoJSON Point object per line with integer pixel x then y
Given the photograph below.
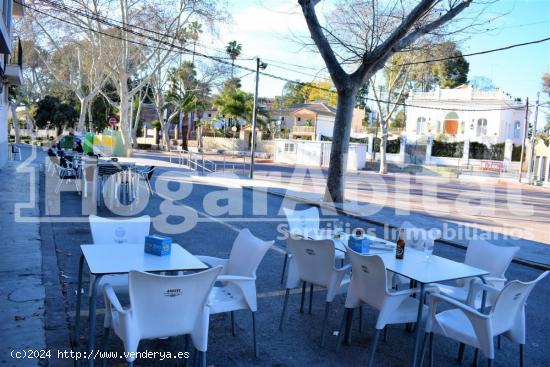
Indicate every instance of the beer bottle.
{"type": "Point", "coordinates": [400, 246]}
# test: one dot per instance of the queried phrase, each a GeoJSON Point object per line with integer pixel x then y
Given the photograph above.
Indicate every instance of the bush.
{"type": "Point", "coordinates": [449, 150]}
{"type": "Point", "coordinates": [516, 153]}
{"type": "Point", "coordinates": [481, 151]}
{"type": "Point", "coordinates": [393, 146]}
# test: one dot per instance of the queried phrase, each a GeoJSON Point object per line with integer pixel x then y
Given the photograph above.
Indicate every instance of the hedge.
{"type": "Point", "coordinates": [516, 153]}
{"type": "Point", "coordinates": [481, 151]}
{"type": "Point", "coordinates": [450, 150]}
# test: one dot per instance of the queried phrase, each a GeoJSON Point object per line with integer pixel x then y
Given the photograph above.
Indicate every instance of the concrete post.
{"type": "Point", "coordinates": [370, 146]}
{"type": "Point", "coordinates": [402, 145]}
{"type": "Point", "coordinates": [508, 147]}
{"type": "Point", "coordinates": [466, 152]}
{"type": "Point", "coordinates": [429, 146]}
{"type": "Point", "coordinates": [547, 173]}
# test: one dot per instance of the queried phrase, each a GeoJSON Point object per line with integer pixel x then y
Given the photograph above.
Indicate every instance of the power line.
{"type": "Point", "coordinates": [219, 60]}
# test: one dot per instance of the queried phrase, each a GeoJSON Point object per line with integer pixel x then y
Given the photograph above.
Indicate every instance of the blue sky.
{"type": "Point", "coordinates": [268, 29]}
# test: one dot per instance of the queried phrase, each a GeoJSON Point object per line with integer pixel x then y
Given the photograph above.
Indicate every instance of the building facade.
{"type": "Point", "coordinates": [465, 113]}
{"type": "Point", "coordinates": [10, 67]}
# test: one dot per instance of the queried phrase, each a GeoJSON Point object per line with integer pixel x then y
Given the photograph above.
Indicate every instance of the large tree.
{"type": "Point", "coordinates": [233, 50]}
{"type": "Point", "coordinates": [357, 43]}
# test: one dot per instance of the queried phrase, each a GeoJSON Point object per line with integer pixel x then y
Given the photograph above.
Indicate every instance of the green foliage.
{"type": "Point", "coordinates": [52, 110]}
{"type": "Point", "coordinates": [516, 153]}
{"type": "Point", "coordinates": [234, 103]}
{"type": "Point", "coordinates": [155, 124]}
{"type": "Point", "coordinates": [393, 146]}
{"type": "Point", "coordinates": [293, 94]}
{"type": "Point", "coordinates": [450, 150]}
{"type": "Point", "coordinates": [481, 151]}
{"type": "Point", "coordinates": [453, 72]}
{"type": "Point", "coordinates": [398, 122]}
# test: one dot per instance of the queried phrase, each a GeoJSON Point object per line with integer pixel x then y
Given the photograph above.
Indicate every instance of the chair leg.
{"type": "Point", "coordinates": [303, 297]}
{"type": "Point", "coordinates": [373, 347]}
{"type": "Point", "coordinates": [431, 351]}
{"type": "Point", "coordinates": [284, 268]}
{"type": "Point", "coordinates": [423, 349]}
{"type": "Point", "coordinates": [203, 359]}
{"type": "Point", "coordinates": [310, 297]}
{"type": "Point", "coordinates": [386, 334]}
{"type": "Point", "coordinates": [256, 353]}
{"type": "Point", "coordinates": [130, 364]}
{"type": "Point", "coordinates": [106, 335]}
{"type": "Point", "coordinates": [232, 323]}
{"type": "Point", "coordinates": [360, 319]}
{"type": "Point", "coordinates": [324, 327]}
{"type": "Point", "coordinates": [521, 355]}
{"type": "Point", "coordinates": [499, 341]}
{"type": "Point", "coordinates": [460, 357]}
{"type": "Point", "coordinates": [476, 354]}
{"type": "Point", "coordinates": [285, 303]}
{"type": "Point", "coordinates": [489, 362]}
{"type": "Point", "coordinates": [341, 330]}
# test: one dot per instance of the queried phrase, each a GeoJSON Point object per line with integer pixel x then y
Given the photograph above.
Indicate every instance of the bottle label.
{"type": "Point", "coordinates": [399, 251]}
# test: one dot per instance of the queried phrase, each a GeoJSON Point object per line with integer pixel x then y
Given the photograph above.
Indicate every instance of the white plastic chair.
{"type": "Point", "coordinates": [369, 286]}
{"type": "Point", "coordinates": [486, 256]}
{"type": "Point", "coordinates": [304, 224]}
{"type": "Point", "coordinates": [238, 278]}
{"type": "Point", "coordinates": [313, 262]}
{"type": "Point", "coordinates": [466, 325]}
{"type": "Point", "coordinates": [107, 231]}
{"type": "Point", "coordinates": [160, 307]}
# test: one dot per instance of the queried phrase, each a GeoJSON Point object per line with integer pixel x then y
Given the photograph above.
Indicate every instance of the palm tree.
{"type": "Point", "coordinates": [194, 29]}
{"type": "Point", "coordinates": [233, 49]}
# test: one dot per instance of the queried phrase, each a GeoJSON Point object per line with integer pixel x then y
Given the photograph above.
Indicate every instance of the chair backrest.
{"type": "Point", "coordinates": [150, 172]}
{"type": "Point", "coordinates": [169, 305]}
{"type": "Point", "coordinates": [246, 254]}
{"type": "Point", "coordinates": [303, 222]}
{"type": "Point", "coordinates": [510, 303]}
{"type": "Point", "coordinates": [314, 259]}
{"type": "Point", "coordinates": [417, 237]}
{"type": "Point", "coordinates": [107, 231]}
{"type": "Point", "coordinates": [368, 279]}
{"type": "Point", "coordinates": [494, 259]}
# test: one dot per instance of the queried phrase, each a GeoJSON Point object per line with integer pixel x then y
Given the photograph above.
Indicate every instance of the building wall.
{"type": "Point", "coordinates": [4, 108]}
{"type": "Point", "coordinates": [500, 124]}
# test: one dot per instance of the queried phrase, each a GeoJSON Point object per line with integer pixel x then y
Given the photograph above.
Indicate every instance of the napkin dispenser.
{"type": "Point", "coordinates": [157, 245]}
{"type": "Point", "coordinates": [359, 244]}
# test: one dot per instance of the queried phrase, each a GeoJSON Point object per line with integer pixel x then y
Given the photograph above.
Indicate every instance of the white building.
{"type": "Point", "coordinates": [465, 113]}
{"type": "Point", "coordinates": [10, 67]}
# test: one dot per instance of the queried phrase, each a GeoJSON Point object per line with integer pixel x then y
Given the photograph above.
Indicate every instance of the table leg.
{"type": "Point", "coordinates": [418, 325]}
{"type": "Point", "coordinates": [483, 295]}
{"type": "Point", "coordinates": [92, 318]}
{"type": "Point", "coordinates": [349, 321]}
{"type": "Point", "coordinates": [76, 338]}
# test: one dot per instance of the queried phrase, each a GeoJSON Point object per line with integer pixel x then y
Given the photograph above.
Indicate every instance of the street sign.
{"type": "Point", "coordinates": [112, 121]}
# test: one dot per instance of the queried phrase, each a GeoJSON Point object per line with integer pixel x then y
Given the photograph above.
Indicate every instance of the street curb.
{"type": "Point", "coordinates": [339, 210]}
{"type": "Point", "coordinates": [56, 323]}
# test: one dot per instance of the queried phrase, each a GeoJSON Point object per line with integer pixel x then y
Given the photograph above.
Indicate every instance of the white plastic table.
{"type": "Point", "coordinates": [121, 259]}
{"type": "Point", "coordinates": [435, 270]}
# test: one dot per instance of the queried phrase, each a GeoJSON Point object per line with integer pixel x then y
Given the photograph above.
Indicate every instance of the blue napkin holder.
{"type": "Point", "coordinates": [157, 245]}
{"type": "Point", "coordinates": [359, 244]}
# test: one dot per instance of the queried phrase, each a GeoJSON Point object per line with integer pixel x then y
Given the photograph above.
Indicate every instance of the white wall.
{"type": "Point", "coordinates": [4, 127]}
{"type": "Point", "coordinates": [325, 126]}
{"type": "Point", "coordinates": [316, 153]}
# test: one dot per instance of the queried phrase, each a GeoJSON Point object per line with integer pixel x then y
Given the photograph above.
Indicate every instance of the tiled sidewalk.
{"type": "Point", "coordinates": [22, 291]}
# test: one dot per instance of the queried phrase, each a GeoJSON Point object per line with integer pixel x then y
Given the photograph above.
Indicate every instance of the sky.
{"type": "Point", "coordinates": [271, 30]}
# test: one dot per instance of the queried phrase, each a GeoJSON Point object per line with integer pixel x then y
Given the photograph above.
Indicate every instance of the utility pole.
{"type": "Point", "coordinates": [533, 138]}
{"type": "Point", "coordinates": [259, 65]}
{"type": "Point", "coordinates": [524, 136]}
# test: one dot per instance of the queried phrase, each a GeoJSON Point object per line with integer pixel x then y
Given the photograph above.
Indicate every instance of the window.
{"type": "Point", "coordinates": [517, 130]}
{"type": "Point", "coordinates": [290, 147]}
{"type": "Point", "coordinates": [282, 118]}
{"type": "Point", "coordinates": [420, 125]}
{"type": "Point", "coordinates": [299, 119]}
{"type": "Point", "coordinates": [481, 127]}
{"type": "Point", "coordinates": [209, 115]}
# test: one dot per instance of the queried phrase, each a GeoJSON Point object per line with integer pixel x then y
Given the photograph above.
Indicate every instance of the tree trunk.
{"type": "Point", "coordinates": [125, 127]}
{"type": "Point", "coordinates": [15, 121]}
{"type": "Point", "coordinates": [90, 118]}
{"type": "Point", "coordinates": [340, 145]}
{"type": "Point", "coordinates": [383, 145]}
{"type": "Point", "coordinates": [185, 131]}
{"type": "Point", "coordinates": [82, 117]}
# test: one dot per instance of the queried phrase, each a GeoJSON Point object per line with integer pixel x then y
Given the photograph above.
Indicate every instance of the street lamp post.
{"type": "Point", "coordinates": [259, 65]}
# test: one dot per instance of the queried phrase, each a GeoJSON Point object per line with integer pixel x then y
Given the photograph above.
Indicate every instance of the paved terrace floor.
{"type": "Point", "coordinates": [298, 344]}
